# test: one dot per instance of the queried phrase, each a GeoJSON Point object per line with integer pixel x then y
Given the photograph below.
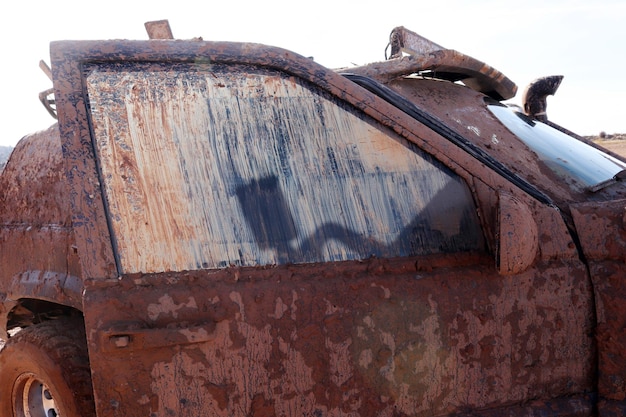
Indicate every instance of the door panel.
{"type": "Point", "coordinates": [359, 338]}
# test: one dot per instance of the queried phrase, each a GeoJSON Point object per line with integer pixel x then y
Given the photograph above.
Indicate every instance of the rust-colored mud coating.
{"type": "Point", "coordinates": [248, 233]}
{"type": "Point", "coordinates": [38, 257]}
{"type": "Point", "coordinates": [372, 338]}
{"type": "Point", "coordinates": [603, 235]}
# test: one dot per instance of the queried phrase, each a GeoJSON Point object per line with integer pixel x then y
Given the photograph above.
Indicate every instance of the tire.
{"type": "Point", "coordinates": [44, 372]}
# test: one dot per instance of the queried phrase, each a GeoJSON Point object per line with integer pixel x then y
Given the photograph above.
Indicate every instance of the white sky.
{"type": "Point", "coordinates": [584, 41]}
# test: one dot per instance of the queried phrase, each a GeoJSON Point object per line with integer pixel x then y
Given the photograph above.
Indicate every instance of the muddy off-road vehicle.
{"type": "Point", "coordinates": [231, 229]}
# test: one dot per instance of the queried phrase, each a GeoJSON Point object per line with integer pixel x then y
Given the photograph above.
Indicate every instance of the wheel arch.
{"type": "Point", "coordinates": [37, 296]}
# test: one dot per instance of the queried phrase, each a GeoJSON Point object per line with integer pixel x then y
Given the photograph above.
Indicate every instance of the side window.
{"type": "Point", "coordinates": [205, 167]}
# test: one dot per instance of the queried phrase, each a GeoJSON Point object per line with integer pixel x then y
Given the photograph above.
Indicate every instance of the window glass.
{"type": "Point", "coordinates": [209, 166]}
{"type": "Point", "coordinates": [571, 159]}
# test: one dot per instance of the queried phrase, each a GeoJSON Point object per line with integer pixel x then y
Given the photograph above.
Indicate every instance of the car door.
{"type": "Point", "coordinates": [283, 247]}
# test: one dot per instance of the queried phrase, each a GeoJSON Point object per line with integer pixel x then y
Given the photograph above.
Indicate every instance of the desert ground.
{"type": "Point", "coordinates": [615, 143]}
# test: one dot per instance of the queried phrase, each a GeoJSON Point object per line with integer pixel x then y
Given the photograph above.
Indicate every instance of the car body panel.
{"type": "Point", "coordinates": [246, 232]}
{"type": "Point", "coordinates": [603, 237]}
{"type": "Point", "coordinates": [422, 334]}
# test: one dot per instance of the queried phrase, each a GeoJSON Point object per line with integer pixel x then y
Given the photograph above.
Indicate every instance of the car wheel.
{"type": "Point", "coordinates": [44, 372]}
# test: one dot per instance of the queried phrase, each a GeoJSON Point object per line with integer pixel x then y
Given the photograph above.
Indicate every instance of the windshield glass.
{"type": "Point", "coordinates": [568, 157]}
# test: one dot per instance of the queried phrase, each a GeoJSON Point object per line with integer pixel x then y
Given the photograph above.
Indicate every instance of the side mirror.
{"type": "Point", "coordinates": [518, 241]}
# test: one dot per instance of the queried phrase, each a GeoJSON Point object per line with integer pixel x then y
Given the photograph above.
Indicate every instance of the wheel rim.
{"type": "Point", "coordinates": [33, 398]}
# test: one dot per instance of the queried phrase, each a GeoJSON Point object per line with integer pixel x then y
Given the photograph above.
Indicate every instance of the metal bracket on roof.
{"type": "Point", "coordinates": [47, 97]}
{"type": "Point", "coordinates": [403, 41]}
{"type": "Point", "coordinates": [159, 29]}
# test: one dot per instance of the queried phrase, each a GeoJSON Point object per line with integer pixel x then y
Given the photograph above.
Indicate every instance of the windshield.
{"type": "Point", "coordinates": [568, 157]}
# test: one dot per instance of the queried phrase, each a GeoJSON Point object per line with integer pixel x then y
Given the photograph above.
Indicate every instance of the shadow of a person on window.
{"type": "Point", "coordinates": [441, 226]}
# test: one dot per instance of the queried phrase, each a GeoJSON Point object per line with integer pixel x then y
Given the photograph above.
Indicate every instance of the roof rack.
{"type": "Point", "coordinates": [414, 54]}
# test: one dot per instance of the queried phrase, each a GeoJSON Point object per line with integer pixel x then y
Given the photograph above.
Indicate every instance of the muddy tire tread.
{"type": "Point", "coordinates": [65, 342]}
